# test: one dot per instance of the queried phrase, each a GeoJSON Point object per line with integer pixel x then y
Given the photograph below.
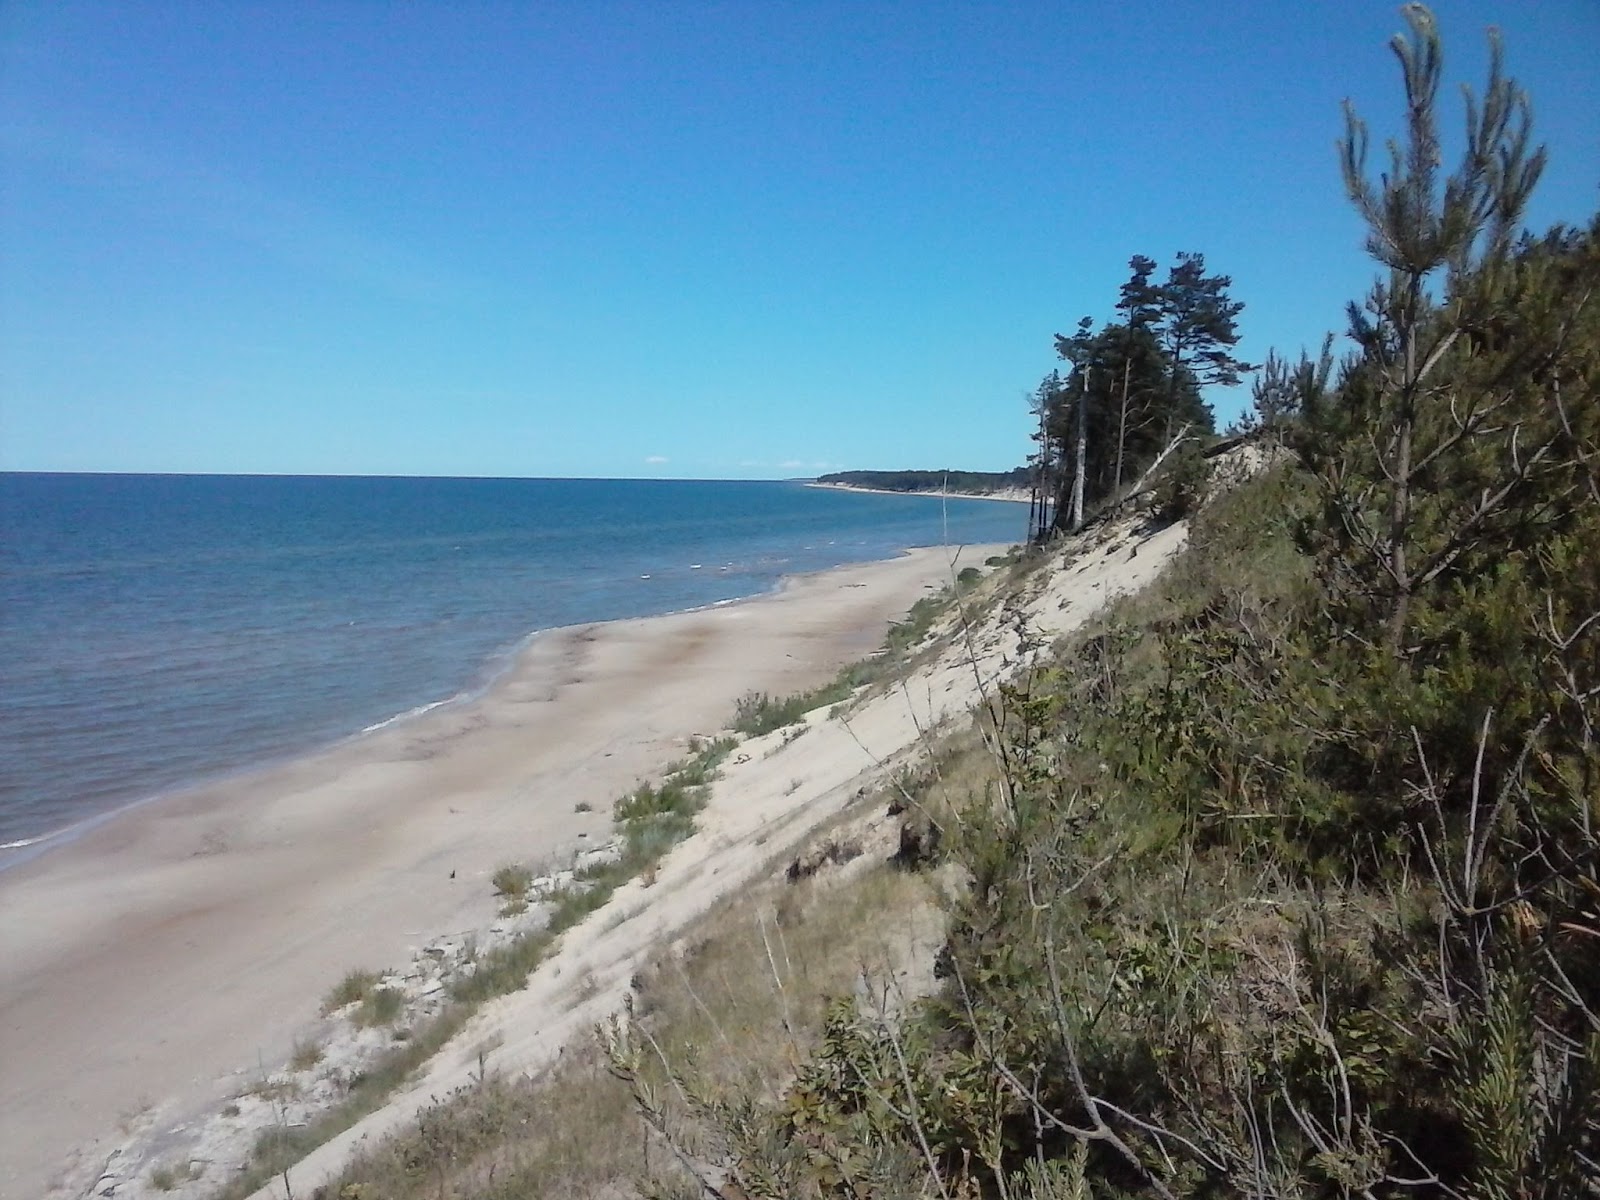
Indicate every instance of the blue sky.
{"type": "Point", "coordinates": [679, 239]}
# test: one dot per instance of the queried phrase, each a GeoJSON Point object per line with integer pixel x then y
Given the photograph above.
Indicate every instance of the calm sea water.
{"type": "Point", "coordinates": [156, 630]}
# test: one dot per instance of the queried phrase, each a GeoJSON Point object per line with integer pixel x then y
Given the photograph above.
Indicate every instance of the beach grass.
{"type": "Point", "coordinates": [352, 989]}
{"type": "Point", "coordinates": [380, 1006]}
{"type": "Point", "coordinates": [306, 1054]}
{"type": "Point", "coordinates": [512, 881]}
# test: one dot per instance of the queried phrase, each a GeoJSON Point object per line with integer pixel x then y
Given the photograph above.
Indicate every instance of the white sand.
{"type": "Point", "coordinates": [150, 965]}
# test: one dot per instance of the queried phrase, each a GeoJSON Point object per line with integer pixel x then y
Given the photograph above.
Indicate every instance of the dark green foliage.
{"type": "Point", "coordinates": [919, 621]}
{"type": "Point", "coordinates": [757, 713]}
{"type": "Point", "coordinates": [1104, 365]}
{"type": "Point", "coordinates": [1135, 384]}
{"type": "Point", "coordinates": [1283, 396]}
{"type": "Point", "coordinates": [1197, 322]}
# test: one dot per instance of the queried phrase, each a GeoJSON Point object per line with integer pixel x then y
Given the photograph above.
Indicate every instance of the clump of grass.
{"type": "Point", "coordinates": [306, 1054]}
{"type": "Point", "coordinates": [381, 1006]}
{"type": "Point", "coordinates": [757, 712]}
{"type": "Point", "coordinates": [582, 806]}
{"type": "Point", "coordinates": [919, 621]}
{"type": "Point", "coordinates": [503, 969]}
{"type": "Point", "coordinates": [168, 1176]}
{"type": "Point", "coordinates": [512, 880]}
{"type": "Point", "coordinates": [352, 989]}
{"type": "Point", "coordinates": [274, 1091]}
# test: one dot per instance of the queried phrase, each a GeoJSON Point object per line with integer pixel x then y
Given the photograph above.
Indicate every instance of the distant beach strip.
{"type": "Point", "coordinates": [1009, 495]}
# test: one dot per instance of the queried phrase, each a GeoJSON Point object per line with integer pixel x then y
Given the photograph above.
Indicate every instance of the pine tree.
{"type": "Point", "coordinates": [1420, 228]}
{"type": "Point", "coordinates": [1139, 303]}
{"type": "Point", "coordinates": [1282, 393]}
{"type": "Point", "coordinates": [1076, 350]}
{"type": "Point", "coordinates": [1197, 322]}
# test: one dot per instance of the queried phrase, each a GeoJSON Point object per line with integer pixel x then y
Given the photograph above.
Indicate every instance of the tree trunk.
{"type": "Point", "coordinates": [1081, 456]}
{"type": "Point", "coordinates": [1039, 509]}
{"type": "Point", "coordinates": [1122, 424]}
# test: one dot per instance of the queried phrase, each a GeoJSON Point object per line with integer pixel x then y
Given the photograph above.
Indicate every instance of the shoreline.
{"type": "Point", "coordinates": [1009, 497]}
{"type": "Point", "coordinates": [486, 675]}
{"type": "Point", "coordinates": [159, 956]}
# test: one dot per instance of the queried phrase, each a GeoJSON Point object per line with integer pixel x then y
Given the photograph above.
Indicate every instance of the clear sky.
{"type": "Point", "coordinates": [682, 239]}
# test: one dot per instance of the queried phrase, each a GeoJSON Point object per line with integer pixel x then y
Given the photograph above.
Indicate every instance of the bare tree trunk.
{"type": "Point", "coordinates": [1081, 456]}
{"type": "Point", "coordinates": [1122, 423]}
{"type": "Point", "coordinates": [1039, 509]}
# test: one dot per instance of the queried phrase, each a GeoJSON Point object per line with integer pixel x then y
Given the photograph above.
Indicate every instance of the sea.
{"type": "Point", "coordinates": [159, 631]}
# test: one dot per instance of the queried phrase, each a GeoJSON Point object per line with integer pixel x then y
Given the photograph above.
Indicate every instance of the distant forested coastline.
{"type": "Point", "coordinates": [980, 483]}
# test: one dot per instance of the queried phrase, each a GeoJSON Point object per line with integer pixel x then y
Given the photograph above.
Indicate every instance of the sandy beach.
{"type": "Point", "coordinates": [154, 962]}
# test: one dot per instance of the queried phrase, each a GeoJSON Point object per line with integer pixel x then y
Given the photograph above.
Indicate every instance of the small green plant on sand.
{"type": "Point", "coordinates": [168, 1176]}
{"type": "Point", "coordinates": [381, 1006]}
{"type": "Point", "coordinates": [274, 1091]}
{"type": "Point", "coordinates": [512, 881]}
{"type": "Point", "coordinates": [306, 1054]}
{"type": "Point", "coordinates": [352, 989]}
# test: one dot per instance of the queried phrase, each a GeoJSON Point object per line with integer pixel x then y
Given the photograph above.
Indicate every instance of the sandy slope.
{"type": "Point", "coordinates": [770, 794]}
{"type": "Point", "coordinates": [152, 964]}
